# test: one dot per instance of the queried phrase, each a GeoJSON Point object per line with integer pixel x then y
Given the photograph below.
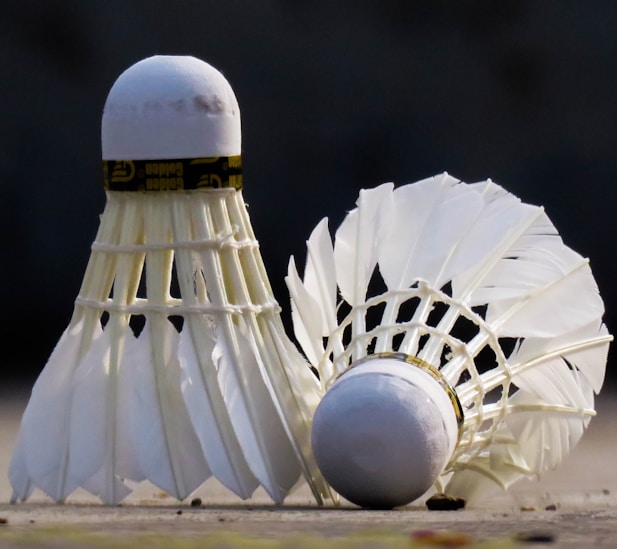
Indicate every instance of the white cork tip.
{"type": "Point", "coordinates": [170, 107]}
{"type": "Point", "coordinates": [383, 433]}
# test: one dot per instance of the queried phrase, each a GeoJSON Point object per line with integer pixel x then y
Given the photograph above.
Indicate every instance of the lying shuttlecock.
{"type": "Point", "coordinates": [464, 351]}
{"type": "Point", "coordinates": [175, 364]}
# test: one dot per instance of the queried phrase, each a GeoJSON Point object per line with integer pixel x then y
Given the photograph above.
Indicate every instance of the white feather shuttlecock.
{"type": "Point", "coordinates": [464, 350]}
{"type": "Point", "coordinates": [175, 365]}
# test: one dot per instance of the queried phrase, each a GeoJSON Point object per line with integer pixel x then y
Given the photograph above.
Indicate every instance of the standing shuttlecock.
{"type": "Point", "coordinates": [175, 365]}
{"type": "Point", "coordinates": [465, 348]}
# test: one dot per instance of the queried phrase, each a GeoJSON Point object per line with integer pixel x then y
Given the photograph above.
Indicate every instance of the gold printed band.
{"type": "Point", "coordinates": [222, 172]}
{"type": "Point", "coordinates": [430, 370]}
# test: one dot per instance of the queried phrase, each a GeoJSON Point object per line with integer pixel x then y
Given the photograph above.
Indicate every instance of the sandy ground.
{"type": "Point", "coordinates": [574, 506]}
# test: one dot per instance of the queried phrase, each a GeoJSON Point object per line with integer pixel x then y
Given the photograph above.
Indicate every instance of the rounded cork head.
{"type": "Point", "coordinates": [383, 433]}
{"type": "Point", "coordinates": [168, 107]}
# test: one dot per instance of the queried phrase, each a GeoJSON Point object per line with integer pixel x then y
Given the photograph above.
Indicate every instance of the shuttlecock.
{"type": "Point", "coordinates": [175, 365]}
{"type": "Point", "coordinates": [464, 350]}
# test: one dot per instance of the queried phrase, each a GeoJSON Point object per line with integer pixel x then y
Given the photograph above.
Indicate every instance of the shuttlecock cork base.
{"type": "Point", "coordinates": [175, 366]}
{"type": "Point", "coordinates": [387, 415]}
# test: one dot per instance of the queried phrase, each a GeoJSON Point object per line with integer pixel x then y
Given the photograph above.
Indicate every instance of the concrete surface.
{"type": "Point", "coordinates": [574, 506]}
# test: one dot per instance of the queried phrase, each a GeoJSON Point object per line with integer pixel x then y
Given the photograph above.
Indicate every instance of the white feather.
{"type": "Point", "coordinates": [476, 484]}
{"type": "Point", "coordinates": [358, 240]}
{"type": "Point", "coordinates": [265, 407]}
{"type": "Point", "coordinates": [46, 421]}
{"type": "Point", "coordinates": [528, 273]}
{"type": "Point", "coordinates": [297, 394]}
{"type": "Point", "coordinates": [429, 221]}
{"type": "Point", "coordinates": [293, 388]}
{"type": "Point", "coordinates": [126, 462]}
{"type": "Point", "coordinates": [313, 301]}
{"type": "Point", "coordinates": [200, 387]}
{"type": "Point", "coordinates": [356, 249]}
{"type": "Point", "coordinates": [43, 453]}
{"type": "Point", "coordinates": [591, 355]}
{"type": "Point", "coordinates": [255, 419]}
{"type": "Point", "coordinates": [573, 293]}
{"type": "Point", "coordinates": [307, 317]}
{"type": "Point", "coordinates": [483, 476]}
{"type": "Point", "coordinates": [420, 245]}
{"type": "Point", "coordinates": [545, 434]}
{"type": "Point", "coordinates": [100, 446]}
{"type": "Point", "coordinates": [320, 275]}
{"type": "Point", "coordinates": [210, 417]}
{"type": "Point", "coordinates": [168, 450]}
{"type": "Point", "coordinates": [501, 223]}
{"type": "Point", "coordinates": [585, 349]}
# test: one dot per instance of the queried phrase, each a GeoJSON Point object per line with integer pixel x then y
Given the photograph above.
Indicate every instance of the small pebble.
{"type": "Point", "coordinates": [196, 502]}
{"type": "Point", "coordinates": [441, 502]}
{"type": "Point", "coordinates": [4, 520]}
{"type": "Point", "coordinates": [551, 507]}
{"type": "Point", "coordinates": [441, 539]}
{"type": "Point", "coordinates": [535, 537]}
{"type": "Point", "coordinates": [179, 512]}
{"type": "Point", "coordinates": [221, 519]}
{"type": "Point", "coordinates": [528, 508]}
{"type": "Point", "coordinates": [606, 491]}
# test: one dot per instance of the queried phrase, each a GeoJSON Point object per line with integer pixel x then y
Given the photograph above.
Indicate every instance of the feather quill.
{"type": "Point", "coordinates": [200, 387]}
{"type": "Point", "coordinates": [42, 458]}
{"type": "Point", "coordinates": [100, 444]}
{"type": "Point", "coordinates": [258, 427]}
{"type": "Point", "coordinates": [255, 419]}
{"type": "Point", "coordinates": [40, 455]}
{"type": "Point", "coordinates": [320, 275]}
{"type": "Point", "coordinates": [168, 450]}
{"type": "Point", "coordinates": [586, 349]}
{"type": "Point", "coordinates": [297, 395]}
{"type": "Point", "coordinates": [45, 424]}
{"type": "Point", "coordinates": [574, 293]}
{"type": "Point", "coordinates": [101, 451]}
{"type": "Point", "coordinates": [307, 316]}
{"type": "Point", "coordinates": [210, 417]}
{"type": "Point", "coordinates": [356, 249]}
{"type": "Point", "coordinates": [501, 223]}
{"type": "Point", "coordinates": [420, 244]}
{"type": "Point", "coordinates": [258, 342]}
{"type": "Point", "coordinates": [358, 240]}
{"type": "Point", "coordinates": [547, 434]}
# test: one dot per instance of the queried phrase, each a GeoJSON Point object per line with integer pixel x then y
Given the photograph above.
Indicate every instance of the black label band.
{"type": "Point", "coordinates": [222, 172]}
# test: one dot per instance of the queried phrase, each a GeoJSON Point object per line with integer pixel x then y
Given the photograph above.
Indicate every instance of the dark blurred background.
{"type": "Point", "coordinates": [335, 96]}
